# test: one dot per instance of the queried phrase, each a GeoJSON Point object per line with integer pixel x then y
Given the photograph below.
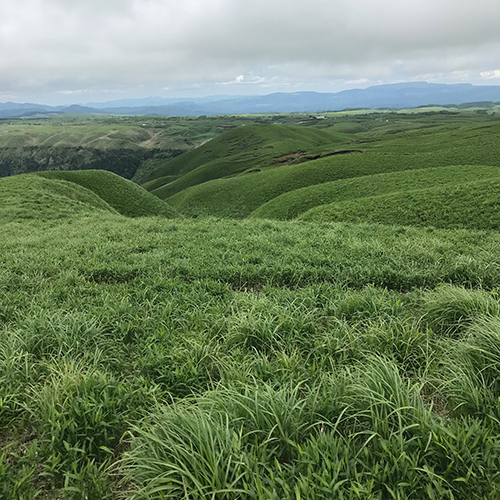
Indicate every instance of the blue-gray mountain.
{"type": "Point", "coordinates": [401, 95]}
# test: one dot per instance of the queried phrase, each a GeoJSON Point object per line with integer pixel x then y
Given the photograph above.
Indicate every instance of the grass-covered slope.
{"type": "Point", "coordinates": [416, 149]}
{"type": "Point", "coordinates": [28, 196]}
{"type": "Point", "coordinates": [159, 182]}
{"type": "Point", "coordinates": [252, 147]}
{"type": "Point", "coordinates": [294, 203]}
{"type": "Point", "coordinates": [150, 358]}
{"type": "Point", "coordinates": [123, 195]}
{"type": "Point", "coordinates": [474, 205]}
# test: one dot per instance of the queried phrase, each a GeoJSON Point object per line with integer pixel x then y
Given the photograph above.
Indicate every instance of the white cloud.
{"type": "Point", "coordinates": [358, 81]}
{"type": "Point", "coordinates": [490, 74]}
{"type": "Point", "coordinates": [123, 44]}
{"type": "Point", "coordinates": [246, 80]}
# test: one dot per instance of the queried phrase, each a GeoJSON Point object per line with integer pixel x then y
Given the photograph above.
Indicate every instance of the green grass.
{"type": "Point", "coordinates": [292, 204]}
{"type": "Point", "coordinates": [242, 149]}
{"type": "Point", "coordinates": [33, 197]}
{"type": "Point", "coordinates": [199, 358]}
{"type": "Point", "coordinates": [431, 147]}
{"type": "Point", "coordinates": [468, 205]}
{"type": "Point", "coordinates": [161, 181]}
{"type": "Point", "coordinates": [123, 195]}
{"type": "Point", "coordinates": [150, 358]}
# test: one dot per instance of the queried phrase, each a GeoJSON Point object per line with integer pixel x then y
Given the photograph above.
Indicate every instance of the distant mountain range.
{"type": "Point", "coordinates": [400, 95]}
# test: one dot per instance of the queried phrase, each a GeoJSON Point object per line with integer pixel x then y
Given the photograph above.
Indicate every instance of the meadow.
{"type": "Point", "coordinates": [262, 171]}
{"type": "Point", "coordinates": [352, 352]}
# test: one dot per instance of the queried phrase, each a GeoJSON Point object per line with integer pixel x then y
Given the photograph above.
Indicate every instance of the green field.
{"type": "Point", "coordinates": [121, 194]}
{"type": "Point", "coordinates": [271, 188]}
{"type": "Point", "coordinates": [246, 149]}
{"type": "Point", "coordinates": [473, 205]}
{"type": "Point", "coordinates": [350, 350]}
{"type": "Point", "coordinates": [294, 203]}
{"type": "Point", "coordinates": [131, 146]}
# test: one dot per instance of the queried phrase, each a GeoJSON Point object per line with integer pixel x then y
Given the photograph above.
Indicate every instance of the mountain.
{"type": "Point", "coordinates": [156, 101]}
{"type": "Point", "coordinates": [400, 95]}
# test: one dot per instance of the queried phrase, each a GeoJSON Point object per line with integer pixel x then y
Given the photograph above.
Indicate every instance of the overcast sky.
{"type": "Point", "coordinates": [64, 51]}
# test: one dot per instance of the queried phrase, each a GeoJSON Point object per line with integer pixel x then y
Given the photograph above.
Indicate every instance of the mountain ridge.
{"type": "Point", "coordinates": [397, 95]}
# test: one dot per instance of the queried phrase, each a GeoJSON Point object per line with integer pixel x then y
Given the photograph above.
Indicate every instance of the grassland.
{"type": "Point", "coordinates": [126, 197]}
{"type": "Point", "coordinates": [472, 205]}
{"type": "Point", "coordinates": [153, 358]}
{"type": "Point", "coordinates": [166, 357]}
{"type": "Point", "coordinates": [246, 149]}
{"type": "Point", "coordinates": [393, 148]}
{"type": "Point", "coordinates": [294, 203]}
{"type": "Point", "coordinates": [129, 146]}
{"type": "Point", "coordinates": [55, 195]}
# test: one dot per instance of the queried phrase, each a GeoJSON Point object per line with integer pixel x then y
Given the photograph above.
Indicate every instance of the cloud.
{"type": "Point", "coordinates": [245, 80]}
{"type": "Point", "coordinates": [490, 74]}
{"type": "Point", "coordinates": [45, 44]}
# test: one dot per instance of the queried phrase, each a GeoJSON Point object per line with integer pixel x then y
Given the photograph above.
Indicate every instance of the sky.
{"type": "Point", "coordinates": [79, 51]}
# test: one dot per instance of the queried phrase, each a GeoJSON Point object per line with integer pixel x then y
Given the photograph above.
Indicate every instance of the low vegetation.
{"type": "Point", "coordinates": [241, 195]}
{"type": "Point", "coordinates": [294, 203]}
{"type": "Point", "coordinates": [246, 149]}
{"type": "Point", "coordinates": [469, 205]}
{"type": "Point", "coordinates": [159, 356]}
{"type": "Point", "coordinates": [153, 358]}
{"type": "Point", "coordinates": [126, 197]}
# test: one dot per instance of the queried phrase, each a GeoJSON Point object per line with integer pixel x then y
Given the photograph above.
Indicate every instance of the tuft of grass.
{"type": "Point", "coordinates": [449, 310]}
{"type": "Point", "coordinates": [472, 371]}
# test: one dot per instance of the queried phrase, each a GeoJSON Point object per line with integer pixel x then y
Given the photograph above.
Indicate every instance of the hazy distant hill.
{"type": "Point", "coordinates": [401, 95]}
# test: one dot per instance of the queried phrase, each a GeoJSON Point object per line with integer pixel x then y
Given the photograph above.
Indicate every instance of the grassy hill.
{"type": "Point", "coordinates": [468, 205]}
{"type": "Point", "coordinates": [152, 357]}
{"type": "Point", "coordinates": [32, 197]}
{"type": "Point", "coordinates": [246, 149]}
{"type": "Point", "coordinates": [390, 151]}
{"type": "Point", "coordinates": [126, 197]}
{"type": "Point", "coordinates": [224, 352]}
{"type": "Point", "coordinates": [294, 203]}
{"type": "Point", "coordinates": [159, 182]}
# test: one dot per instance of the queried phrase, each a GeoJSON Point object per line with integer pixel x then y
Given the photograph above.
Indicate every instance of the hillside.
{"type": "Point", "coordinates": [249, 149]}
{"type": "Point", "coordinates": [294, 203]}
{"type": "Point", "coordinates": [255, 349]}
{"type": "Point", "coordinates": [473, 205]}
{"type": "Point", "coordinates": [126, 197]}
{"type": "Point", "coordinates": [33, 197]}
{"type": "Point", "coordinates": [391, 147]}
{"type": "Point", "coordinates": [351, 353]}
{"type": "Point", "coordinates": [128, 146]}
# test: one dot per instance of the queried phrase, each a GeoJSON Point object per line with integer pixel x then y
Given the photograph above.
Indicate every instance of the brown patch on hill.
{"type": "Point", "coordinates": [290, 155]}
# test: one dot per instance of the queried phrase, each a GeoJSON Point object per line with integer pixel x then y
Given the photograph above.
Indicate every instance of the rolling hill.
{"type": "Point", "coordinates": [390, 147]}
{"type": "Point", "coordinates": [126, 197]}
{"type": "Point", "coordinates": [55, 195]}
{"type": "Point", "coordinates": [294, 203]}
{"type": "Point", "coordinates": [29, 196]}
{"type": "Point", "coordinates": [249, 149]}
{"type": "Point", "coordinates": [342, 354]}
{"type": "Point", "coordinates": [473, 205]}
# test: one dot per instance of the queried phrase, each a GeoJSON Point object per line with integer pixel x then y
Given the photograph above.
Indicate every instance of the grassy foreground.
{"type": "Point", "coordinates": [214, 359]}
